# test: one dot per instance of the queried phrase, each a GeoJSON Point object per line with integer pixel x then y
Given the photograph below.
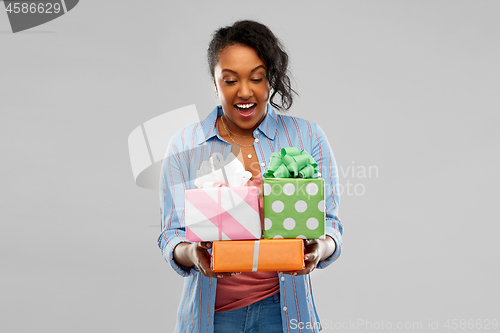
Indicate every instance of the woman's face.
{"type": "Point", "coordinates": [243, 89]}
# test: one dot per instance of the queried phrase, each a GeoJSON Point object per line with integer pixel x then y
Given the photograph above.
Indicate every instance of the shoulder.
{"type": "Point", "coordinates": [188, 135]}
{"type": "Point", "coordinates": [196, 132]}
{"type": "Point", "coordinates": [189, 129]}
{"type": "Point", "coordinates": [292, 123]}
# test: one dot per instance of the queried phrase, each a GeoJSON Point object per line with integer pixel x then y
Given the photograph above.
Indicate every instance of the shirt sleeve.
{"type": "Point", "coordinates": [322, 153]}
{"type": "Point", "coordinates": [173, 178]}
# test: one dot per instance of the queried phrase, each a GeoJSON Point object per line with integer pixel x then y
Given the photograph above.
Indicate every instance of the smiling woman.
{"type": "Point", "coordinates": [240, 80]}
{"type": "Point", "coordinates": [249, 70]}
{"type": "Point", "coordinates": [243, 90]}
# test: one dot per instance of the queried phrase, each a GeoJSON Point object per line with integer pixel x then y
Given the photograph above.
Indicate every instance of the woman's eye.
{"type": "Point", "coordinates": [257, 80]}
{"type": "Point", "coordinates": [229, 81]}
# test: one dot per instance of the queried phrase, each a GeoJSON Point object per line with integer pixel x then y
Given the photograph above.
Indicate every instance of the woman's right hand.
{"type": "Point", "coordinates": [196, 254]}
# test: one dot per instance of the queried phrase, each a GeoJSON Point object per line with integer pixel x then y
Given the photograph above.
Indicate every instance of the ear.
{"type": "Point", "coordinates": [216, 91]}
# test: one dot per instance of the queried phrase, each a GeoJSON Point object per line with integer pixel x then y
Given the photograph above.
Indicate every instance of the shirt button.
{"type": "Point", "coordinates": [256, 140]}
{"type": "Point", "coordinates": [263, 164]}
{"type": "Point", "coordinates": [284, 308]}
{"type": "Point", "coordinates": [282, 278]}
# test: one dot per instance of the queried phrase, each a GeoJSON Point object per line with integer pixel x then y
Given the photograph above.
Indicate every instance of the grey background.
{"type": "Point", "coordinates": [409, 87]}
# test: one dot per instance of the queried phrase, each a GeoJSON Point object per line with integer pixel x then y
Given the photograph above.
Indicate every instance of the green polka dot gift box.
{"type": "Point", "coordinates": [294, 203]}
{"type": "Point", "coordinates": [294, 208]}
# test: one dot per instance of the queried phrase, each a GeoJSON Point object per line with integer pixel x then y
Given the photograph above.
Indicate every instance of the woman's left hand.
{"type": "Point", "coordinates": [315, 251]}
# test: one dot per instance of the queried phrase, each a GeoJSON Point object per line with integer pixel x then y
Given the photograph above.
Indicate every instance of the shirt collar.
{"type": "Point", "coordinates": [266, 127]}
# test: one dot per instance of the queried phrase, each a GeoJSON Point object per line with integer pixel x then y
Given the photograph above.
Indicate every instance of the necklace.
{"type": "Point", "coordinates": [239, 145]}
{"type": "Point", "coordinates": [227, 129]}
{"type": "Point", "coordinates": [249, 155]}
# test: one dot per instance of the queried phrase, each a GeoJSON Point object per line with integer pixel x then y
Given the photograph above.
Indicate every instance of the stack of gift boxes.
{"type": "Point", "coordinates": [294, 209]}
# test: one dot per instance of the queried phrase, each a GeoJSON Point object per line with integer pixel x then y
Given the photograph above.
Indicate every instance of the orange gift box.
{"type": "Point", "coordinates": [259, 255]}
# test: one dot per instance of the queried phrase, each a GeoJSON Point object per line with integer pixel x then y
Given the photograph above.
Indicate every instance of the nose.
{"type": "Point", "coordinates": [245, 91]}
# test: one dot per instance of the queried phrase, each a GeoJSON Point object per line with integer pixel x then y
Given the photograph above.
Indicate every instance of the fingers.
{"type": "Point", "coordinates": [308, 242]}
{"type": "Point", "coordinates": [311, 259]}
{"type": "Point", "coordinates": [202, 258]}
{"type": "Point", "coordinates": [311, 245]}
{"type": "Point", "coordinates": [204, 267]}
{"type": "Point", "coordinates": [310, 265]}
{"type": "Point", "coordinates": [202, 261]}
{"type": "Point", "coordinates": [205, 245]}
{"type": "Point", "coordinates": [312, 256]}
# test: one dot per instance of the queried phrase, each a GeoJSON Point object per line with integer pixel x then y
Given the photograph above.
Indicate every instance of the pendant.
{"type": "Point", "coordinates": [249, 155]}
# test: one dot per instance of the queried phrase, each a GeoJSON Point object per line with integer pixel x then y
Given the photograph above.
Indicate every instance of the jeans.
{"type": "Point", "coordinates": [260, 317]}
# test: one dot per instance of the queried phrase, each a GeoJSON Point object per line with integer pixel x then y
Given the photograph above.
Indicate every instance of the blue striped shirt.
{"type": "Point", "coordinates": [186, 151]}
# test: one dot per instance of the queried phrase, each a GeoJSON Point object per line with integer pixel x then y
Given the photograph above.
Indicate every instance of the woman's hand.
{"type": "Point", "coordinates": [315, 251]}
{"type": "Point", "coordinates": [196, 254]}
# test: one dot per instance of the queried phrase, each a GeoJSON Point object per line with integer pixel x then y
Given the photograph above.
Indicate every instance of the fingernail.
{"type": "Point", "coordinates": [306, 258]}
{"type": "Point", "coordinates": [219, 276]}
{"type": "Point", "coordinates": [233, 274]}
{"type": "Point", "coordinates": [295, 273]}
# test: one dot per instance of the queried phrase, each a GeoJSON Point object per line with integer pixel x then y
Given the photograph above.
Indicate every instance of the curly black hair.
{"type": "Point", "coordinates": [268, 48]}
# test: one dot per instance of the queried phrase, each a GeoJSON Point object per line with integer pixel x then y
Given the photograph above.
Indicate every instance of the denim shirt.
{"type": "Point", "coordinates": [186, 151]}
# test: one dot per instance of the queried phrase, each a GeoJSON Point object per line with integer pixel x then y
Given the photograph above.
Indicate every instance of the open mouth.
{"type": "Point", "coordinates": [245, 108]}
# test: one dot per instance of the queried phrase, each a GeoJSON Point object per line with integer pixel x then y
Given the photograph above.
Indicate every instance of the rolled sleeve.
{"type": "Point", "coordinates": [172, 187]}
{"type": "Point", "coordinates": [322, 153]}
{"type": "Point", "coordinates": [167, 246]}
{"type": "Point", "coordinates": [336, 234]}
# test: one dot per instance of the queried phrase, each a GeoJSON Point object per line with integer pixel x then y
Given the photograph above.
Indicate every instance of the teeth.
{"type": "Point", "coordinates": [245, 106]}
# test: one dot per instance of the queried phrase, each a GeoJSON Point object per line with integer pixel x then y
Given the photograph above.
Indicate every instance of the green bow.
{"type": "Point", "coordinates": [291, 164]}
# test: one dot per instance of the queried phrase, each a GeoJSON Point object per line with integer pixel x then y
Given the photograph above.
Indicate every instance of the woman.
{"type": "Point", "coordinates": [249, 70]}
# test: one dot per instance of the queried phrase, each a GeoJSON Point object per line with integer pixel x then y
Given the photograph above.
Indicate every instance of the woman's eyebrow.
{"type": "Point", "coordinates": [231, 71]}
{"type": "Point", "coordinates": [256, 68]}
